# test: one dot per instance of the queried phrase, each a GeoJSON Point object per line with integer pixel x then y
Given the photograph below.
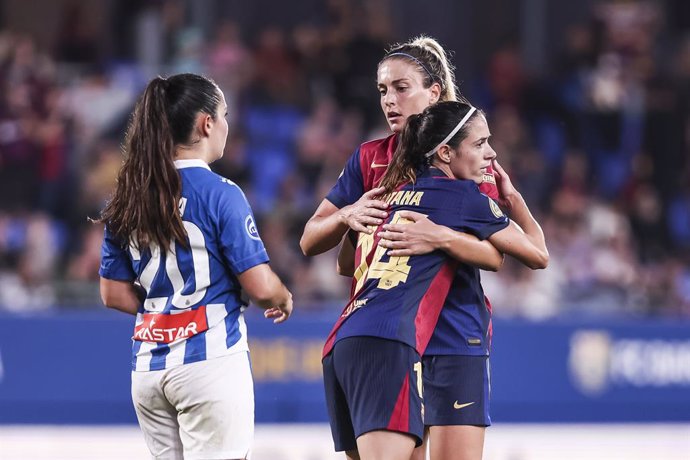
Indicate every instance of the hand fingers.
{"type": "Point", "coordinates": [397, 228]}
{"type": "Point", "coordinates": [373, 212]}
{"type": "Point", "coordinates": [361, 228]}
{"type": "Point", "coordinates": [277, 314]}
{"type": "Point", "coordinates": [364, 221]}
{"type": "Point", "coordinates": [412, 215]}
{"type": "Point", "coordinates": [498, 168]}
{"type": "Point", "coordinates": [378, 204]}
{"type": "Point", "coordinates": [391, 236]}
{"type": "Point", "coordinates": [375, 192]}
{"type": "Point", "coordinates": [389, 244]}
{"type": "Point", "coordinates": [400, 252]}
{"type": "Point", "coordinates": [279, 320]}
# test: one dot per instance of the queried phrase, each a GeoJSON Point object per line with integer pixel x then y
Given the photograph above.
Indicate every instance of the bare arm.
{"type": "Point", "coordinates": [345, 264]}
{"type": "Point", "coordinates": [327, 226]}
{"type": "Point", "coordinates": [267, 291]}
{"type": "Point", "coordinates": [124, 296]}
{"type": "Point", "coordinates": [523, 238]}
{"type": "Point", "coordinates": [423, 236]}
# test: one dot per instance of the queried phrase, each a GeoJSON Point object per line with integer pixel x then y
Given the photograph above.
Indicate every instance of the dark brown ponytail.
{"type": "Point", "coordinates": [422, 134]}
{"type": "Point", "coordinates": [144, 207]}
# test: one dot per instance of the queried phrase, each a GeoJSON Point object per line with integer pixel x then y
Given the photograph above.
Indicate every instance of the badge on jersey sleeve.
{"type": "Point", "coordinates": [495, 209]}
{"type": "Point", "coordinates": [250, 227]}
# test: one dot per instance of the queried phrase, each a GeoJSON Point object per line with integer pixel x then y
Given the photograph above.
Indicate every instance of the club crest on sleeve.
{"type": "Point", "coordinates": [250, 227]}
{"type": "Point", "coordinates": [495, 209]}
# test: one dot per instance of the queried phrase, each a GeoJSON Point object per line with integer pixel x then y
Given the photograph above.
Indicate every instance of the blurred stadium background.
{"type": "Point", "coordinates": [589, 105]}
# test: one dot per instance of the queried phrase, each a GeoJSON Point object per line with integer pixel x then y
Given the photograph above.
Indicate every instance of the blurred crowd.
{"type": "Point", "coordinates": [599, 146]}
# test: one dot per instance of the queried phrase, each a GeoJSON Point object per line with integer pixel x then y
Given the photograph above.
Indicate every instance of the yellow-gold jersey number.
{"type": "Point", "coordinates": [390, 273]}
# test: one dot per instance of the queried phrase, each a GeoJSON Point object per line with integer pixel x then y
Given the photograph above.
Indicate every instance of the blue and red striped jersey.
{"type": "Point", "coordinates": [400, 298]}
{"type": "Point", "coordinates": [193, 307]}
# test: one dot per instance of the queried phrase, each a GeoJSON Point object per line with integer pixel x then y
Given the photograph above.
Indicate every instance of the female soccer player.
{"type": "Point", "coordinates": [372, 365]}
{"type": "Point", "coordinates": [410, 77]}
{"type": "Point", "coordinates": [180, 244]}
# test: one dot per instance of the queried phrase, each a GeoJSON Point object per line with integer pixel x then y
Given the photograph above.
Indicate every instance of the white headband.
{"type": "Point", "coordinates": [452, 133]}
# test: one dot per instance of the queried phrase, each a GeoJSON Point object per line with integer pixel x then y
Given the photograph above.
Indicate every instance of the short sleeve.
{"type": "Point", "coordinates": [482, 216]}
{"type": "Point", "coordinates": [115, 261]}
{"type": "Point", "coordinates": [350, 185]}
{"type": "Point", "coordinates": [239, 241]}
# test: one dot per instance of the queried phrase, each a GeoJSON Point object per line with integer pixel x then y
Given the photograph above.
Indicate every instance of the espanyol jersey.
{"type": "Point", "coordinates": [400, 298]}
{"type": "Point", "coordinates": [193, 309]}
{"type": "Point", "coordinates": [464, 326]}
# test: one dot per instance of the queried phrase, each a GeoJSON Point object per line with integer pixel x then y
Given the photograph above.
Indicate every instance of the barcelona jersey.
{"type": "Point", "coordinates": [193, 306]}
{"type": "Point", "coordinates": [400, 298]}
{"type": "Point", "coordinates": [464, 326]}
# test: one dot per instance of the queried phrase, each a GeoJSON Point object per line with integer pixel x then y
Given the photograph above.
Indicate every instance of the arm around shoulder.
{"type": "Point", "coordinates": [327, 226]}
{"type": "Point", "coordinates": [523, 238]}
{"type": "Point", "coordinates": [421, 236]}
{"type": "Point", "coordinates": [323, 231]}
{"type": "Point", "coordinates": [469, 249]}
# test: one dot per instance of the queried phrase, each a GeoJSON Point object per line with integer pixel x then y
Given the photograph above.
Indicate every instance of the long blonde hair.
{"type": "Point", "coordinates": [432, 60]}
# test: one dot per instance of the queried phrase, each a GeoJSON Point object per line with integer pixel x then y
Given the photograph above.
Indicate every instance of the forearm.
{"type": "Point", "coordinates": [121, 295]}
{"type": "Point", "coordinates": [345, 265]}
{"type": "Point", "coordinates": [469, 249]}
{"type": "Point", "coordinates": [520, 214]}
{"type": "Point", "coordinates": [264, 287]}
{"type": "Point", "coordinates": [323, 233]}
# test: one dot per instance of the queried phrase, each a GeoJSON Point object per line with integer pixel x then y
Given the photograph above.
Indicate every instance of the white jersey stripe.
{"type": "Point", "coordinates": [144, 356]}
{"type": "Point", "coordinates": [176, 355]}
{"type": "Point", "coordinates": [217, 333]}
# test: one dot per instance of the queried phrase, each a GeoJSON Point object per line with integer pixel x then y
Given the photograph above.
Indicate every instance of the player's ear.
{"type": "Point", "coordinates": [444, 153]}
{"type": "Point", "coordinates": [434, 93]}
{"type": "Point", "coordinates": [204, 124]}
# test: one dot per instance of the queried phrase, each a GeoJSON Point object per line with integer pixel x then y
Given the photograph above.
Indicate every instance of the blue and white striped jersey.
{"type": "Point", "coordinates": [193, 308]}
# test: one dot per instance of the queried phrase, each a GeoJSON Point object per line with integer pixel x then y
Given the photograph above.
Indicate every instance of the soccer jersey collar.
{"type": "Point", "coordinates": [433, 171]}
{"type": "Point", "coordinates": [195, 163]}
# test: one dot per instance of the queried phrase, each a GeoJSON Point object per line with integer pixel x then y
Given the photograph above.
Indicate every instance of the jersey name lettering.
{"type": "Point", "coordinates": [404, 197]}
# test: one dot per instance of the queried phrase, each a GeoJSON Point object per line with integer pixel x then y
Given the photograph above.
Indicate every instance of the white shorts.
{"type": "Point", "coordinates": [202, 410]}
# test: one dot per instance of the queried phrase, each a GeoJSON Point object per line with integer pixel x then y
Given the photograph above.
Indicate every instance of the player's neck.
{"type": "Point", "coordinates": [444, 168]}
{"type": "Point", "coordinates": [194, 153]}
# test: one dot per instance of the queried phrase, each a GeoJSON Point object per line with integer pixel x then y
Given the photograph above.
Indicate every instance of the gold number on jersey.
{"type": "Point", "coordinates": [389, 273]}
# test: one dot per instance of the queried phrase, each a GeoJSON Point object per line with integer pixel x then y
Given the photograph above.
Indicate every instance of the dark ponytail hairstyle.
{"type": "Point", "coordinates": [144, 207]}
{"type": "Point", "coordinates": [422, 133]}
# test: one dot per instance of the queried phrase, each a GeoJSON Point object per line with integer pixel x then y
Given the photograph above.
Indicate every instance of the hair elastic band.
{"type": "Point", "coordinates": [415, 60]}
{"type": "Point", "coordinates": [452, 133]}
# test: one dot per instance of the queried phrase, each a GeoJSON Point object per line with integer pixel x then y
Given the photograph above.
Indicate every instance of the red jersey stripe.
{"type": "Point", "coordinates": [432, 303]}
{"type": "Point", "coordinates": [400, 418]}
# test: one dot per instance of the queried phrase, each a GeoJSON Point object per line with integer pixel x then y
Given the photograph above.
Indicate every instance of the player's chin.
{"type": "Point", "coordinates": [396, 125]}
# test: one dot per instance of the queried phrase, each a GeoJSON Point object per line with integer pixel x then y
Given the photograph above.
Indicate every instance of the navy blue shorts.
{"type": "Point", "coordinates": [456, 390]}
{"type": "Point", "coordinates": [372, 384]}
